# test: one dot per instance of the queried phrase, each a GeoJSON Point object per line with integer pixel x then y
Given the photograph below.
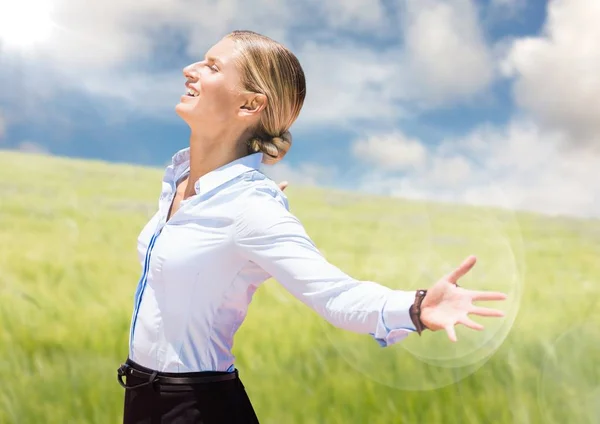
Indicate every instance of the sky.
{"type": "Point", "coordinates": [493, 102]}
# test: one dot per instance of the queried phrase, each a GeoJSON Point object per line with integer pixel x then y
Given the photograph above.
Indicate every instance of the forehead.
{"type": "Point", "coordinates": [222, 51]}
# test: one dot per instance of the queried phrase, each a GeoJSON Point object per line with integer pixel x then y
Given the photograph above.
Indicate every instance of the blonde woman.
{"type": "Point", "coordinates": [223, 228]}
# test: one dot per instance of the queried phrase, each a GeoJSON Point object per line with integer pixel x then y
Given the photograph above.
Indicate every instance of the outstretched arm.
{"type": "Point", "coordinates": [269, 235]}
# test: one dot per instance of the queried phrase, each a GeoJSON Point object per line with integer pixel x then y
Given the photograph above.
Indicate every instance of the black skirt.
{"type": "Point", "coordinates": [159, 399]}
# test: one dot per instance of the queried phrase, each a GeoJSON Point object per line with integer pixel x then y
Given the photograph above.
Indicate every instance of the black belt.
{"type": "Point", "coordinates": [155, 376]}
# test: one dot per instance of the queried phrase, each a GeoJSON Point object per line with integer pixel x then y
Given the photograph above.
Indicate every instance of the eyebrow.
{"type": "Point", "coordinates": [214, 59]}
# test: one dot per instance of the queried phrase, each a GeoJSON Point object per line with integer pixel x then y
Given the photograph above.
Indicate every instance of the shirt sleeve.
{"type": "Point", "coordinates": [267, 234]}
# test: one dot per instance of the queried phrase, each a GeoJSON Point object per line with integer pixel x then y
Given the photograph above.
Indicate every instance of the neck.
{"type": "Point", "coordinates": [209, 153]}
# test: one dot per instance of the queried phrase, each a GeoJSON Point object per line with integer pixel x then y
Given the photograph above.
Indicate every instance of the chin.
{"type": "Point", "coordinates": [182, 110]}
{"type": "Point", "coordinates": [186, 106]}
{"type": "Point", "coordinates": [185, 113]}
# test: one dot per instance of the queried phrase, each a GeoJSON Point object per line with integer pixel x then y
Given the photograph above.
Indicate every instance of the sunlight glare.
{"type": "Point", "coordinates": [25, 24]}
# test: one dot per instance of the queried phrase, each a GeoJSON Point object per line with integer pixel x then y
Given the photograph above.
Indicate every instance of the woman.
{"type": "Point", "coordinates": [223, 228]}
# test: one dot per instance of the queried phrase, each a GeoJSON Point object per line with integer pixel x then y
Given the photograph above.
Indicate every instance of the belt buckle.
{"type": "Point", "coordinates": [122, 371]}
{"type": "Point", "coordinates": [125, 369]}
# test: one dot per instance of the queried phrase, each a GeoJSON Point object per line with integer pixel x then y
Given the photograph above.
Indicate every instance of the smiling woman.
{"type": "Point", "coordinates": [223, 228]}
{"type": "Point", "coordinates": [25, 24]}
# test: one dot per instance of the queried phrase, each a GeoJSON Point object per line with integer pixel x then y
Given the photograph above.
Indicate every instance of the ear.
{"type": "Point", "coordinates": [253, 104]}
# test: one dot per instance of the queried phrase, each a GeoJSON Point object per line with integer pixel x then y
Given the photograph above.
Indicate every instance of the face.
{"type": "Point", "coordinates": [213, 96]}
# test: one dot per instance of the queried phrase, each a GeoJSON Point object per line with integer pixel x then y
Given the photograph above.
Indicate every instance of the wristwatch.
{"type": "Point", "coordinates": [415, 311]}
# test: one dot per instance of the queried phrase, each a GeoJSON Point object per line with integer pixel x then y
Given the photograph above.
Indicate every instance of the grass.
{"type": "Point", "coordinates": [68, 271]}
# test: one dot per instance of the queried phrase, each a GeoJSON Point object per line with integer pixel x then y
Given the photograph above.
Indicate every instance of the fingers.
{"type": "Point", "coordinates": [451, 332]}
{"type": "Point", "coordinates": [468, 322]}
{"type": "Point", "coordinates": [486, 312]}
{"type": "Point", "coordinates": [283, 185]}
{"type": "Point", "coordinates": [485, 295]}
{"type": "Point", "coordinates": [462, 269]}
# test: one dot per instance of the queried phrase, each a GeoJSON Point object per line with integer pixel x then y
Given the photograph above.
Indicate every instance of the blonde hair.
{"type": "Point", "coordinates": [269, 68]}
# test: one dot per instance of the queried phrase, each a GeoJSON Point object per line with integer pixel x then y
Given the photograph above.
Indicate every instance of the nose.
{"type": "Point", "coordinates": [189, 72]}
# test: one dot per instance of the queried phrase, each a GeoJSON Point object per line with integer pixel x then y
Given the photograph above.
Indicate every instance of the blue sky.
{"type": "Point", "coordinates": [480, 102]}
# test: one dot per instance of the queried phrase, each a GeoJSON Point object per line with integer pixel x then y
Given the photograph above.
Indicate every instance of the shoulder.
{"type": "Point", "coordinates": [259, 190]}
{"type": "Point", "coordinates": [262, 207]}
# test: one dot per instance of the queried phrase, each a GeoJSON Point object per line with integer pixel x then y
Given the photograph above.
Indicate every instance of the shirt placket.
{"type": "Point", "coordinates": [164, 210]}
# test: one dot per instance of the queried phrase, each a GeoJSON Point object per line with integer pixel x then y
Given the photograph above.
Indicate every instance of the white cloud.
{"type": "Point", "coordinates": [546, 161]}
{"type": "Point", "coordinates": [115, 32]}
{"type": "Point", "coordinates": [107, 49]}
{"type": "Point", "coordinates": [347, 82]}
{"type": "Point", "coordinates": [110, 49]}
{"type": "Point", "coordinates": [444, 59]}
{"type": "Point", "coordinates": [92, 35]}
{"type": "Point", "coordinates": [208, 20]}
{"type": "Point", "coordinates": [355, 14]}
{"type": "Point", "coordinates": [447, 54]}
{"type": "Point", "coordinates": [132, 92]}
{"type": "Point", "coordinates": [392, 151]}
{"type": "Point", "coordinates": [520, 166]}
{"type": "Point", "coordinates": [557, 74]}
{"type": "Point", "coordinates": [304, 174]}
{"type": "Point", "coordinates": [450, 170]}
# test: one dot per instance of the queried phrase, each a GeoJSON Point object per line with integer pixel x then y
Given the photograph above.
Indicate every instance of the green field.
{"type": "Point", "coordinates": [68, 271]}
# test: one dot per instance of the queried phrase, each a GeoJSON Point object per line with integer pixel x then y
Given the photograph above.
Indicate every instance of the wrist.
{"type": "Point", "coordinates": [415, 311]}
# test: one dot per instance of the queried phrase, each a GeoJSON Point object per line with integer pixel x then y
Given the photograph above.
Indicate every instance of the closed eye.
{"type": "Point", "coordinates": [213, 63]}
{"type": "Point", "coordinates": [212, 67]}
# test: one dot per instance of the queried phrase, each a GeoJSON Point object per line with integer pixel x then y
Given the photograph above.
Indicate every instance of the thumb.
{"type": "Point", "coordinates": [462, 269]}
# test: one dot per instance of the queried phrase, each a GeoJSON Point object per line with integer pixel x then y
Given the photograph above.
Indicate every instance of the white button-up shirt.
{"type": "Point", "coordinates": [201, 268]}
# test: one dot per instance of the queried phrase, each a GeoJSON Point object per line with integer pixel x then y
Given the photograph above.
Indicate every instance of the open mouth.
{"type": "Point", "coordinates": [192, 93]}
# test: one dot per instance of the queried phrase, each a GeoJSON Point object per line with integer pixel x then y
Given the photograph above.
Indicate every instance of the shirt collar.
{"type": "Point", "coordinates": [182, 156]}
{"type": "Point", "coordinates": [220, 176]}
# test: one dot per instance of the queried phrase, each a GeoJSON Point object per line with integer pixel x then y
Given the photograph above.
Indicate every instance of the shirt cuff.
{"type": "Point", "coordinates": [394, 323]}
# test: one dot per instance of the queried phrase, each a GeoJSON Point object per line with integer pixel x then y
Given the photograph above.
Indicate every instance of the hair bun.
{"type": "Point", "coordinates": [274, 149]}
